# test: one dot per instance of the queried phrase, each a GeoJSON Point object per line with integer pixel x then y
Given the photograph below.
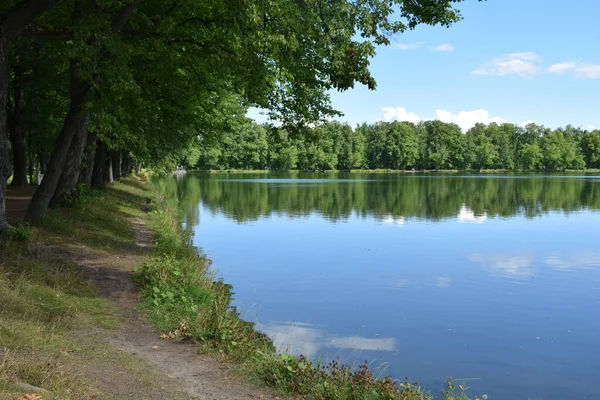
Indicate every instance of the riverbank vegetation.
{"type": "Point", "coordinates": [56, 326]}
{"type": "Point", "coordinates": [428, 145]}
{"type": "Point", "coordinates": [184, 299]}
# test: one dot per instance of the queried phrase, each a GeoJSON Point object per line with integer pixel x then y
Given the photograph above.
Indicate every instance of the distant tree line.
{"type": "Point", "coordinates": [429, 145]}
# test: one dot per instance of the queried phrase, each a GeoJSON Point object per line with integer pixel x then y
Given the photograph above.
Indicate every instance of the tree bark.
{"type": "Point", "coordinates": [19, 150]}
{"type": "Point", "coordinates": [116, 164]}
{"type": "Point", "coordinates": [126, 165]}
{"type": "Point", "coordinates": [18, 132]}
{"type": "Point", "coordinates": [76, 122]}
{"type": "Point", "coordinates": [5, 45]}
{"type": "Point", "coordinates": [31, 163]}
{"type": "Point", "coordinates": [99, 165]}
{"type": "Point", "coordinates": [70, 173]}
{"type": "Point", "coordinates": [13, 22]}
{"type": "Point", "coordinates": [85, 176]}
{"type": "Point", "coordinates": [108, 170]}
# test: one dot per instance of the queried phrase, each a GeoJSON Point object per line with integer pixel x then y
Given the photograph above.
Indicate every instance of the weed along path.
{"type": "Point", "coordinates": [90, 341]}
{"type": "Point", "coordinates": [200, 376]}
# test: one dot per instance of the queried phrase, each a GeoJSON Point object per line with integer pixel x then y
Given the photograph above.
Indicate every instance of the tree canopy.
{"type": "Point", "coordinates": [95, 86]}
{"type": "Point", "coordinates": [429, 145]}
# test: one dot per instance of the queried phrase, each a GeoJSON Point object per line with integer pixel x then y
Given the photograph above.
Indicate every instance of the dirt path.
{"type": "Point", "coordinates": [199, 376]}
{"type": "Point", "coordinates": [179, 367]}
{"type": "Point", "coordinates": [17, 201]}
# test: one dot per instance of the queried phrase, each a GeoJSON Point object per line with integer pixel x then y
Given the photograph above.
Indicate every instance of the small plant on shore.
{"type": "Point", "coordinates": [23, 232]}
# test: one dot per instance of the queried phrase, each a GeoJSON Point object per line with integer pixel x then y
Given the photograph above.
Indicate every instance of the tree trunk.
{"type": "Point", "coordinates": [19, 150]}
{"type": "Point", "coordinates": [108, 170]}
{"type": "Point", "coordinates": [12, 24]}
{"type": "Point", "coordinates": [99, 165]}
{"type": "Point", "coordinates": [31, 160]}
{"type": "Point", "coordinates": [116, 165]}
{"type": "Point", "coordinates": [4, 141]}
{"type": "Point", "coordinates": [126, 165]}
{"type": "Point", "coordinates": [85, 177]}
{"type": "Point", "coordinates": [18, 132]}
{"type": "Point", "coordinates": [70, 173]}
{"type": "Point", "coordinates": [76, 121]}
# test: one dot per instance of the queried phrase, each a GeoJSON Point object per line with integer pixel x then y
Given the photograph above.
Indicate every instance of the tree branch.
{"type": "Point", "coordinates": [22, 14]}
{"type": "Point", "coordinates": [124, 16]}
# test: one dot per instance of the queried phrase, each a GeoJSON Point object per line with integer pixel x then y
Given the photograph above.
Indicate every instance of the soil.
{"type": "Point", "coordinates": [17, 201]}
{"type": "Point", "coordinates": [180, 368]}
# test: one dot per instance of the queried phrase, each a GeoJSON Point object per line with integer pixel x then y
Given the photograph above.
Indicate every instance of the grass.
{"type": "Point", "coordinates": [54, 325]}
{"type": "Point", "coordinates": [182, 298]}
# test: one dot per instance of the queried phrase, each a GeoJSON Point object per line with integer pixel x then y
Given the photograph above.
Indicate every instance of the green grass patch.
{"type": "Point", "coordinates": [54, 325]}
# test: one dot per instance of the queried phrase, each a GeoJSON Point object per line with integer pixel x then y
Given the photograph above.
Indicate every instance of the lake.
{"type": "Point", "coordinates": [491, 279]}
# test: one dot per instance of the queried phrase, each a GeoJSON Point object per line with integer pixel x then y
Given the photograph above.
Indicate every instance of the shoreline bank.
{"type": "Point", "coordinates": [180, 296]}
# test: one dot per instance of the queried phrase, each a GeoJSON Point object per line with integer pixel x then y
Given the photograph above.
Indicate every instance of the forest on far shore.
{"type": "Point", "coordinates": [428, 145]}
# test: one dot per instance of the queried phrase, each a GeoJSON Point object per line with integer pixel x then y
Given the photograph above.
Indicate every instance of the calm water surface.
{"type": "Point", "coordinates": [494, 280]}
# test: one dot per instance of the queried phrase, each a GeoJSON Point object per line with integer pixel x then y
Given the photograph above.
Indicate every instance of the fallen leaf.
{"type": "Point", "coordinates": [29, 396]}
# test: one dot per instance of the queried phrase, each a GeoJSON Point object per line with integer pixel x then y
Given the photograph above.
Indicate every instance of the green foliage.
{"type": "Point", "coordinates": [428, 145]}
{"type": "Point", "coordinates": [318, 381]}
{"type": "Point", "coordinates": [23, 232]}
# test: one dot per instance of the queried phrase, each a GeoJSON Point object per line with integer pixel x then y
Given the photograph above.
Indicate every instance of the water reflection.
{"type": "Point", "coordinates": [391, 198]}
{"type": "Point", "coordinates": [508, 266]}
{"type": "Point", "coordinates": [523, 266]}
{"type": "Point", "coordinates": [583, 260]}
{"type": "Point", "coordinates": [302, 338]}
{"type": "Point", "coordinates": [467, 215]}
{"type": "Point", "coordinates": [494, 277]}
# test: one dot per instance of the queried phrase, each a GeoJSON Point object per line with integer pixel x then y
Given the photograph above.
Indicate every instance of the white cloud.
{"type": "Point", "coordinates": [443, 47]}
{"type": "Point", "coordinates": [525, 123]}
{"type": "Point", "coordinates": [588, 71]}
{"type": "Point", "coordinates": [581, 70]}
{"type": "Point", "coordinates": [522, 64]}
{"type": "Point", "coordinates": [407, 46]}
{"type": "Point", "coordinates": [465, 119]}
{"type": "Point", "coordinates": [399, 114]}
{"type": "Point", "coordinates": [563, 67]}
{"type": "Point", "coordinates": [466, 215]}
{"type": "Point", "coordinates": [590, 127]}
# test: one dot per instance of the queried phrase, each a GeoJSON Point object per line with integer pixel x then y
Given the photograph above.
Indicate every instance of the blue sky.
{"type": "Point", "coordinates": [508, 60]}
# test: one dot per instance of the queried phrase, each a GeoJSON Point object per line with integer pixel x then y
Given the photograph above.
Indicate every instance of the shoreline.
{"type": "Point", "coordinates": [128, 242]}
{"type": "Point", "coordinates": [392, 171]}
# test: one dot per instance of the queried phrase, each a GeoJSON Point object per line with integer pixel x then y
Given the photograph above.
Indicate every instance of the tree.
{"type": "Point", "coordinates": [14, 21]}
{"type": "Point", "coordinates": [136, 68]}
{"type": "Point", "coordinates": [590, 147]}
{"type": "Point", "coordinates": [530, 156]}
{"type": "Point", "coordinates": [481, 152]}
{"type": "Point", "coordinates": [443, 145]}
{"type": "Point", "coordinates": [348, 146]}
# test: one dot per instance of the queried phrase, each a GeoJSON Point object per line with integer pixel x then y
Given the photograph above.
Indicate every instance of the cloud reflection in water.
{"type": "Point", "coordinates": [301, 338]}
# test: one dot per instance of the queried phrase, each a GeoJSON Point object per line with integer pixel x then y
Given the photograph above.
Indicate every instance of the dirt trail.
{"type": "Point", "coordinates": [199, 376]}
{"type": "Point", "coordinates": [184, 370]}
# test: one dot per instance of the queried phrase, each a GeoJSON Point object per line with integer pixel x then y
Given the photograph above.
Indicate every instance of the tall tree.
{"type": "Point", "coordinates": [13, 22]}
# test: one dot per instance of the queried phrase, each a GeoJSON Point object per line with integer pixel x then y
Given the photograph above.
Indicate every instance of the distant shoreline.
{"type": "Point", "coordinates": [391, 171]}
